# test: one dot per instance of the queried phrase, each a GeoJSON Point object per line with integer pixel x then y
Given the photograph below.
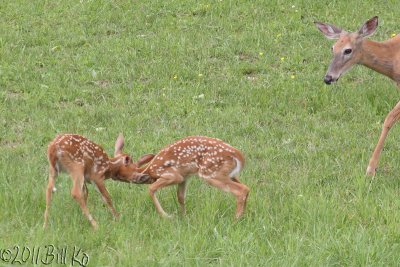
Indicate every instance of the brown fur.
{"type": "Point", "coordinates": [382, 57]}
{"type": "Point", "coordinates": [87, 162]}
{"type": "Point", "coordinates": [216, 162]}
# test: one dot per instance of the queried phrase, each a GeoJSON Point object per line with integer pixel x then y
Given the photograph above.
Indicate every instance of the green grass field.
{"type": "Point", "coordinates": [248, 72]}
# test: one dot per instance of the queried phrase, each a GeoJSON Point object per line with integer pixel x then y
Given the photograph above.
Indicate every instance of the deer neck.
{"type": "Point", "coordinates": [378, 56]}
{"type": "Point", "coordinates": [113, 167]}
{"type": "Point", "coordinates": [144, 169]}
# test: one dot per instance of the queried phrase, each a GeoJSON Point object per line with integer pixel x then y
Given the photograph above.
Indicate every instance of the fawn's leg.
{"type": "Point", "coordinates": [236, 179]}
{"type": "Point", "coordinates": [77, 193]}
{"type": "Point", "coordinates": [164, 180]}
{"type": "Point", "coordinates": [49, 191]}
{"type": "Point", "coordinates": [240, 191]}
{"type": "Point", "coordinates": [181, 195]}
{"type": "Point", "coordinates": [106, 197]}
{"type": "Point", "coordinates": [85, 192]}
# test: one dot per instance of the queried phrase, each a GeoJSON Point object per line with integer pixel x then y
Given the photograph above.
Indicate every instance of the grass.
{"type": "Point", "coordinates": [248, 72]}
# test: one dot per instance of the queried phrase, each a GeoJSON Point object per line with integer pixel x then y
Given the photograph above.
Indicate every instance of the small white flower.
{"type": "Point", "coordinates": [201, 96]}
{"type": "Point", "coordinates": [94, 74]}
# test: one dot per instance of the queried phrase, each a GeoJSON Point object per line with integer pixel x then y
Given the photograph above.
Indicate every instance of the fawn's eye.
{"type": "Point", "coordinates": [347, 51]}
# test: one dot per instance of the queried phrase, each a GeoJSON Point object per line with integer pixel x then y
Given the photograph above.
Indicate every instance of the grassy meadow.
{"type": "Point", "coordinates": [248, 72]}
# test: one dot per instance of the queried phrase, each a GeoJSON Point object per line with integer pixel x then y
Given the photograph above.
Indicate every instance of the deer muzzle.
{"type": "Point", "coordinates": [328, 79]}
{"type": "Point", "coordinates": [141, 178]}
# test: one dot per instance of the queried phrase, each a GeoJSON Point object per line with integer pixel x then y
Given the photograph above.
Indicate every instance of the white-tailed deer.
{"type": "Point", "coordinates": [86, 162]}
{"type": "Point", "coordinates": [216, 162]}
{"type": "Point", "coordinates": [383, 57]}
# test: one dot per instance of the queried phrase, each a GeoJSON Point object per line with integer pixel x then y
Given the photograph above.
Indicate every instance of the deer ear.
{"type": "Point", "coordinates": [145, 159]}
{"type": "Point", "coordinates": [330, 31]}
{"type": "Point", "coordinates": [369, 27]}
{"type": "Point", "coordinates": [119, 144]}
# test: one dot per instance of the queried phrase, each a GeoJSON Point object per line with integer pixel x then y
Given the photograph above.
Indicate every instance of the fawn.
{"type": "Point", "coordinates": [216, 162]}
{"type": "Point", "coordinates": [87, 162]}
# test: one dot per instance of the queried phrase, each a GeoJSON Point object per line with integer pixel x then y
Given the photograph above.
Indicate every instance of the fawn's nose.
{"type": "Point", "coordinates": [328, 79]}
{"type": "Point", "coordinates": [141, 179]}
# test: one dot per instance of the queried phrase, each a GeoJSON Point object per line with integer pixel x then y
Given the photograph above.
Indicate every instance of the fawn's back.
{"type": "Point", "coordinates": [69, 151]}
{"type": "Point", "coordinates": [216, 162]}
{"type": "Point", "coordinates": [200, 155]}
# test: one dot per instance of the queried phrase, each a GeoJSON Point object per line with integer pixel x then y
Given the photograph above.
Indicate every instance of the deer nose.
{"type": "Point", "coordinates": [328, 79]}
{"type": "Point", "coordinates": [141, 179]}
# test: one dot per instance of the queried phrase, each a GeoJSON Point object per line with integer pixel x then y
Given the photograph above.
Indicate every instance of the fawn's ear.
{"type": "Point", "coordinates": [330, 31]}
{"type": "Point", "coordinates": [119, 144]}
{"type": "Point", "coordinates": [369, 27]}
{"type": "Point", "coordinates": [145, 159]}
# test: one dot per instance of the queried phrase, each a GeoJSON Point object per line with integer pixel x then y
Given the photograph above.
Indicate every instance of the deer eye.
{"type": "Point", "coordinates": [347, 51]}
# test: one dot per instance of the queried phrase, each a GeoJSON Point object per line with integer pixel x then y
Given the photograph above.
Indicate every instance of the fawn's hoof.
{"type": "Point", "coordinates": [167, 216]}
{"type": "Point", "coordinates": [95, 226]}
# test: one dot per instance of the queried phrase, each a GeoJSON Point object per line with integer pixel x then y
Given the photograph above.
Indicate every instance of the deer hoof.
{"type": "Point", "coordinates": [95, 227]}
{"type": "Point", "coordinates": [167, 216]}
{"type": "Point", "coordinates": [371, 171]}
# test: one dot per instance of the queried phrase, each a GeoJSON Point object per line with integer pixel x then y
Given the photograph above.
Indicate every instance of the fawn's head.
{"type": "Point", "coordinates": [124, 169]}
{"type": "Point", "coordinates": [348, 47]}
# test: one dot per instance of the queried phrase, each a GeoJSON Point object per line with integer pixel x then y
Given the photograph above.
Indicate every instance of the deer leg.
{"type": "Point", "coordinates": [85, 192]}
{"type": "Point", "coordinates": [106, 197]}
{"type": "Point", "coordinates": [236, 180]}
{"type": "Point", "coordinates": [78, 194]}
{"type": "Point", "coordinates": [163, 181]}
{"type": "Point", "coordinates": [390, 120]}
{"type": "Point", "coordinates": [181, 195]}
{"type": "Point", "coordinates": [240, 191]}
{"type": "Point", "coordinates": [49, 191]}
{"type": "Point", "coordinates": [113, 211]}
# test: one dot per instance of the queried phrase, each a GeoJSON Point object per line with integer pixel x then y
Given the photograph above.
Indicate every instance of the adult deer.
{"type": "Point", "coordinates": [383, 57]}
{"type": "Point", "coordinates": [216, 162]}
{"type": "Point", "coordinates": [86, 162]}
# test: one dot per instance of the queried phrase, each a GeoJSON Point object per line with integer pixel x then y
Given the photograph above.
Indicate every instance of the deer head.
{"type": "Point", "coordinates": [124, 169]}
{"type": "Point", "coordinates": [347, 51]}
